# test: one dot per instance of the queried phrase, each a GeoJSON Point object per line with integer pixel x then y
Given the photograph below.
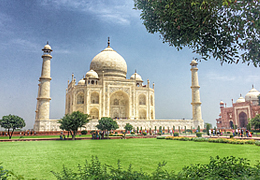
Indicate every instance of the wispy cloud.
{"type": "Point", "coordinates": [118, 12]}
{"type": "Point", "coordinates": [219, 77]}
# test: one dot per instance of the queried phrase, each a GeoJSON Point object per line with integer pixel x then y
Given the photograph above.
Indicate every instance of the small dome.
{"type": "Point", "coordinates": [136, 76]}
{"type": "Point", "coordinates": [193, 62]}
{"type": "Point", "coordinates": [47, 46]}
{"type": "Point", "coordinates": [81, 82]}
{"type": "Point", "coordinates": [109, 61]}
{"type": "Point", "coordinates": [252, 95]}
{"type": "Point", "coordinates": [92, 74]}
{"type": "Point", "coordinates": [221, 103]}
{"type": "Point", "coordinates": [240, 100]}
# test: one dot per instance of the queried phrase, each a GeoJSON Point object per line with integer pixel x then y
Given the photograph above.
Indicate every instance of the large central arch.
{"type": "Point", "coordinates": [242, 119]}
{"type": "Point", "coordinates": [119, 105]}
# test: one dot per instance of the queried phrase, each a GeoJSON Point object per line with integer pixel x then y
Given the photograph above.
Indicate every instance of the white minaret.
{"type": "Point", "coordinates": [43, 99]}
{"type": "Point", "coordinates": [196, 104]}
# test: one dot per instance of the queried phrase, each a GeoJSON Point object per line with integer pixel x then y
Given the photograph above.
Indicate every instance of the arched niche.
{"type": "Point", "coordinates": [142, 114]}
{"type": "Point", "coordinates": [119, 105]}
{"type": "Point", "coordinates": [80, 98]}
{"type": "Point", "coordinates": [151, 100]}
{"type": "Point", "coordinates": [142, 99]}
{"type": "Point", "coordinates": [94, 98]}
{"type": "Point", "coordinates": [94, 113]}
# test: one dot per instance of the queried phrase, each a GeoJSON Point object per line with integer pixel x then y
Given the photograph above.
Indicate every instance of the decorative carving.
{"type": "Point", "coordinates": [114, 89]}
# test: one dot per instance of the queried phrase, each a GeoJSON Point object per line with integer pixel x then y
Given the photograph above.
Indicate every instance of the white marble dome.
{"type": "Point", "coordinates": [136, 76]}
{"type": "Point", "coordinates": [47, 46]}
{"type": "Point", "coordinates": [252, 95]}
{"type": "Point", "coordinates": [240, 99]}
{"type": "Point", "coordinates": [109, 61]}
{"type": "Point", "coordinates": [81, 82]}
{"type": "Point", "coordinates": [92, 74]}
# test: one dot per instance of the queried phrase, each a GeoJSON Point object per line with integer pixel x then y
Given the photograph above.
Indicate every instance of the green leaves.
{"type": "Point", "coordinates": [228, 30]}
{"type": "Point", "coordinates": [71, 122]}
{"type": "Point", "coordinates": [106, 123]}
{"type": "Point", "coordinates": [255, 121]}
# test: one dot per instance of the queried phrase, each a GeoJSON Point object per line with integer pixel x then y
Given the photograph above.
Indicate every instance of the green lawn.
{"type": "Point", "coordinates": [38, 158]}
{"type": "Point", "coordinates": [47, 136]}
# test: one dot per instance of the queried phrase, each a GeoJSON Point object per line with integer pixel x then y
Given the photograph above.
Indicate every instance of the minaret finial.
{"type": "Point", "coordinates": [47, 42]}
{"type": "Point", "coordinates": [135, 71]}
{"type": "Point", "coordinates": [240, 95]}
{"type": "Point", "coordinates": [253, 86]}
{"type": "Point", "coordinates": [108, 42]}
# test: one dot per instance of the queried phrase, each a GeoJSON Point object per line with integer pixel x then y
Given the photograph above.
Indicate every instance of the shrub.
{"type": "Point", "coordinates": [199, 134]}
{"type": "Point", "coordinates": [84, 132]}
{"type": "Point", "coordinates": [228, 132]}
{"type": "Point", "coordinates": [159, 133]}
{"type": "Point", "coordinates": [189, 130]}
{"type": "Point", "coordinates": [231, 136]}
{"type": "Point", "coordinates": [161, 137]}
{"type": "Point", "coordinates": [167, 137]}
{"type": "Point", "coordinates": [116, 132]}
{"type": "Point", "coordinates": [132, 132]}
{"type": "Point", "coordinates": [3, 173]}
{"type": "Point", "coordinates": [200, 139]}
{"type": "Point", "coordinates": [176, 134]}
{"type": "Point", "coordinates": [204, 130]}
{"type": "Point", "coordinates": [144, 133]}
{"type": "Point", "coordinates": [257, 143]}
{"type": "Point", "coordinates": [91, 132]}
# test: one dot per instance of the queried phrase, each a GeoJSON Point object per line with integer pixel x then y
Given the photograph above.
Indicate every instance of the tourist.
{"type": "Point", "coordinates": [233, 132]}
{"type": "Point", "coordinates": [213, 132]}
{"type": "Point", "coordinates": [171, 132]}
{"type": "Point", "coordinates": [246, 133]}
{"type": "Point", "coordinates": [236, 132]}
{"type": "Point", "coordinates": [242, 132]}
{"type": "Point", "coordinates": [218, 133]}
{"type": "Point", "coordinates": [209, 133]}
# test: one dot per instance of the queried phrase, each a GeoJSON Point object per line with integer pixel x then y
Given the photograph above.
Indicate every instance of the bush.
{"type": "Point", "coordinates": [228, 132]}
{"type": "Point", "coordinates": [231, 136]}
{"type": "Point", "coordinates": [84, 132]}
{"type": "Point", "coordinates": [200, 139]}
{"type": "Point", "coordinates": [189, 130]}
{"type": "Point", "coordinates": [199, 134]}
{"type": "Point", "coordinates": [3, 173]}
{"type": "Point", "coordinates": [176, 134]}
{"type": "Point", "coordinates": [204, 130]}
{"type": "Point", "coordinates": [132, 132]}
{"type": "Point", "coordinates": [161, 137]}
{"type": "Point", "coordinates": [159, 133]}
{"type": "Point", "coordinates": [144, 133]}
{"type": "Point", "coordinates": [257, 143]}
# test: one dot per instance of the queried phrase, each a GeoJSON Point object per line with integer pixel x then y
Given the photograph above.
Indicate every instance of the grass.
{"type": "Point", "coordinates": [49, 136]}
{"type": "Point", "coordinates": [38, 158]}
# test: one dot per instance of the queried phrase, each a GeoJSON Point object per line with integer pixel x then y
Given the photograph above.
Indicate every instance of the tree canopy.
{"type": "Point", "coordinates": [228, 30]}
{"type": "Point", "coordinates": [12, 122]}
{"type": "Point", "coordinates": [255, 122]}
{"type": "Point", "coordinates": [106, 123]}
{"type": "Point", "coordinates": [72, 122]}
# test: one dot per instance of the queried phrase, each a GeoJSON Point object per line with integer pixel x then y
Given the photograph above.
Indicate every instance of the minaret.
{"type": "Point", "coordinates": [196, 104]}
{"type": "Point", "coordinates": [43, 99]}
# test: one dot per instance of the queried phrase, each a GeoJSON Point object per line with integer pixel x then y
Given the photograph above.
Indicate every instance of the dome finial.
{"type": "Point", "coordinates": [108, 42]}
{"type": "Point", "coordinates": [47, 42]}
{"type": "Point", "coordinates": [240, 95]}
{"type": "Point", "coordinates": [253, 86]}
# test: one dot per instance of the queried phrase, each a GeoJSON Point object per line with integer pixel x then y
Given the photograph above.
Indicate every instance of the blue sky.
{"type": "Point", "coordinates": [77, 30]}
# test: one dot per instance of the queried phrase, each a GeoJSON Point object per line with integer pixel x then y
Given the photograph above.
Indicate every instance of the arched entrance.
{"type": "Point", "coordinates": [242, 119]}
{"type": "Point", "coordinates": [119, 105]}
{"type": "Point", "coordinates": [231, 124]}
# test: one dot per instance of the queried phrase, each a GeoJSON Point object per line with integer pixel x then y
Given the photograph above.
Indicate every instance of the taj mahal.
{"type": "Point", "coordinates": [106, 92]}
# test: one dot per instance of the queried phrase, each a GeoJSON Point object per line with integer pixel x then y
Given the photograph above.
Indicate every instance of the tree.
{"type": "Point", "coordinates": [207, 128]}
{"type": "Point", "coordinates": [228, 30]}
{"type": "Point", "coordinates": [128, 127]}
{"type": "Point", "coordinates": [107, 124]}
{"type": "Point", "coordinates": [255, 122]}
{"type": "Point", "coordinates": [72, 122]}
{"type": "Point", "coordinates": [12, 122]}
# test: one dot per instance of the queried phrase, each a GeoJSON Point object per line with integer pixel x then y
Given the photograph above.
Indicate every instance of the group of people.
{"type": "Point", "coordinates": [236, 132]}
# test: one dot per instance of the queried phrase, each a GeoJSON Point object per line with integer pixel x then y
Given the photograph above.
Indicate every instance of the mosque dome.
{"type": "Point", "coordinates": [109, 61]}
{"type": "Point", "coordinates": [91, 74]}
{"type": "Point", "coordinates": [252, 95]}
{"type": "Point", "coordinates": [81, 82]}
{"type": "Point", "coordinates": [136, 77]}
{"type": "Point", "coordinates": [221, 103]}
{"type": "Point", "coordinates": [240, 100]}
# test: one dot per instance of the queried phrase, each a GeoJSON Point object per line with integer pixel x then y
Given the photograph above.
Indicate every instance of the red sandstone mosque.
{"type": "Point", "coordinates": [242, 110]}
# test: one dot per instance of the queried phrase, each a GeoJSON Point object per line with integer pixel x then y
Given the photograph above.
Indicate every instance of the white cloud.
{"type": "Point", "coordinates": [217, 76]}
{"type": "Point", "coordinates": [115, 11]}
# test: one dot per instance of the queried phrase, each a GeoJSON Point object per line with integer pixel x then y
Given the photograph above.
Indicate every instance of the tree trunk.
{"type": "Point", "coordinates": [73, 134]}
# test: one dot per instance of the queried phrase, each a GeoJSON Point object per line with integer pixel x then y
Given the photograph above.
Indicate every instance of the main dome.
{"type": "Point", "coordinates": [109, 61]}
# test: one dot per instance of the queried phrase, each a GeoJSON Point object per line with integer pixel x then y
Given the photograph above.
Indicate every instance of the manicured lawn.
{"type": "Point", "coordinates": [37, 159]}
{"type": "Point", "coordinates": [51, 136]}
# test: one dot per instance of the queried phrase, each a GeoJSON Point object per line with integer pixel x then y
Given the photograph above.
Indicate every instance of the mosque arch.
{"type": "Point", "coordinates": [94, 98]}
{"type": "Point", "coordinates": [242, 119]}
{"type": "Point", "coordinates": [119, 105]}
{"type": "Point", "coordinates": [94, 113]}
{"type": "Point", "coordinates": [142, 114]}
{"type": "Point", "coordinates": [231, 124]}
{"type": "Point", "coordinates": [142, 99]}
{"type": "Point", "coordinates": [80, 98]}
